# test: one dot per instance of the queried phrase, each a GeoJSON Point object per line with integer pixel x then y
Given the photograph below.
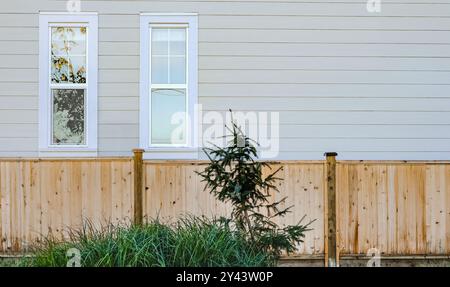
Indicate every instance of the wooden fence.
{"type": "Point", "coordinates": [38, 197]}
{"type": "Point", "coordinates": [397, 207]}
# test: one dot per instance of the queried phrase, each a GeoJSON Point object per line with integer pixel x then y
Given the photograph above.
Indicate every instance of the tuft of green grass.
{"type": "Point", "coordinates": [9, 262]}
{"type": "Point", "coordinates": [190, 242]}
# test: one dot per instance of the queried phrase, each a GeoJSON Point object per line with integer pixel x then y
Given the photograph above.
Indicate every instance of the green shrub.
{"type": "Point", "coordinates": [191, 242]}
{"type": "Point", "coordinates": [234, 175]}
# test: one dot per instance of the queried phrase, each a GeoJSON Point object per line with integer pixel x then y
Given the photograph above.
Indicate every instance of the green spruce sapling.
{"type": "Point", "coordinates": [235, 175]}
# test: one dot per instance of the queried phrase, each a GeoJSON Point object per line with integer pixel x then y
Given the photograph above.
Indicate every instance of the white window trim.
{"type": "Point", "coordinates": [190, 150]}
{"type": "Point", "coordinates": [46, 20]}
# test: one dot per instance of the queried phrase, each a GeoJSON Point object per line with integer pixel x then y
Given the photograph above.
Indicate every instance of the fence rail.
{"type": "Point", "coordinates": [400, 208]}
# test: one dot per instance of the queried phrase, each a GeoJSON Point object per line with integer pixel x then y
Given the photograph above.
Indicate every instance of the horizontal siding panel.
{"type": "Point", "coordinates": [31, 7]}
{"type": "Point", "coordinates": [119, 76]}
{"type": "Point", "coordinates": [118, 48]}
{"type": "Point", "coordinates": [358, 117]}
{"type": "Point", "coordinates": [345, 117]}
{"type": "Point", "coordinates": [19, 48]}
{"type": "Point", "coordinates": [330, 50]}
{"type": "Point", "coordinates": [323, 22]}
{"type": "Point", "coordinates": [23, 20]}
{"type": "Point", "coordinates": [118, 21]}
{"type": "Point", "coordinates": [22, 89]}
{"type": "Point", "coordinates": [359, 77]}
{"type": "Point", "coordinates": [321, 36]}
{"type": "Point", "coordinates": [118, 34]}
{"type": "Point", "coordinates": [119, 103]}
{"type": "Point", "coordinates": [323, 90]}
{"type": "Point", "coordinates": [19, 33]}
{"type": "Point", "coordinates": [322, 63]}
{"type": "Point", "coordinates": [118, 62]}
{"type": "Point", "coordinates": [362, 131]}
{"type": "Point", "coordinates": [118, 131]}
{"type": "Point", "coordinates": [367, 145]}
{"type": "Point", "coordinates": [324, 104]}
{"type": "Point", "coordinates": [18, 144]}
{"type": "Point", "coordinates": [19, 61]}
{"type": "Point", "coordinates": [19, 116]}
{"type": "Point", "coordinates": [118, 89]}
{"type": "Point", "coordinates": [19, 131]}
{"type": "Point", "coordinates": [118, 117]}
{"type": "Point", "coordinates": [18, 103]}
{"type": "Point", "coordinates": [332, 131]}
{"type": "Point", "coordinates": [19, 75]}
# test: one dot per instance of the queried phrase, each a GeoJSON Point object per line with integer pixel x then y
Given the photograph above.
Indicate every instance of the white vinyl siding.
{"type": "Point", "coordinates": [367, 85]}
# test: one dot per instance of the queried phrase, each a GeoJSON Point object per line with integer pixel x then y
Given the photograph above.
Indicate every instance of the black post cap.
{"type": "Point", "coordinates": [330, 154]}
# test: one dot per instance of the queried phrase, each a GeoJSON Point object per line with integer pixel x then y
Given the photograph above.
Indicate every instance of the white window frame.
{"type": "Point", "coordinates": [46, 21]}
{"type": "Point", "coordinates": [169, 151]}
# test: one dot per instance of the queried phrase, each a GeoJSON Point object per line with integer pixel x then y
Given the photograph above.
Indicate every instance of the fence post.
{"type": "Point", "coordinates": [330, 230]}
{"type": "Point", "coordinates": [138, 185]}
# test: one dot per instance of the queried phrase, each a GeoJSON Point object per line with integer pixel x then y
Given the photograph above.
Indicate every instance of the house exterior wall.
{"type": "Point", "coordinates": [366, 85]}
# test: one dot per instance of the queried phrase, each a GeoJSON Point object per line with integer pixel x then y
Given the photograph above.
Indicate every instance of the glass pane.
{"type": "Point", "coordinates": [177, 70]}
{"type": "Point", "coordinates": [168, 116]}
{"type": "Point", "coordinates": [168, 55]}
{"type": "Point", "coordinates": [160, 41]}
{"type": "Point", "coordinates": [77, 70]}
{"type": "Point", "coordinates": [177, 42]}
{"type": "Point", "coordinates": [59, 44]}
{"type": "Point", "coordinates": [77, 43]}
{"type": "Point", "coordinates": [160, 72]}
{"type": "Point", "coordinates": [68, 117]}
{"type": "Point", "coordinates": [68, 47]}
{"type": "Point", "coordinates": [60, 69]}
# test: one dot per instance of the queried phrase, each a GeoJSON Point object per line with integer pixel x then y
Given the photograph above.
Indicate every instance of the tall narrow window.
{"type": "Point", "coordinates": [168, 84]}
{"type": "Point", "coordinates": [68, 84]}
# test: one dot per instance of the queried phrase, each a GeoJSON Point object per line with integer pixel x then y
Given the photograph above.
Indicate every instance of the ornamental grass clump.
{"type": "Point", "coordinates": [190, 242]}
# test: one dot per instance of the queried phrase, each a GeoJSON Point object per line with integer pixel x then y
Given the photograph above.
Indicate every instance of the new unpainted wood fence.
{"type": "Point", "coordinates": [399, 208]}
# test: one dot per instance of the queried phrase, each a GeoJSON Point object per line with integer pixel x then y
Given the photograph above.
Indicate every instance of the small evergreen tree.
{"type": "Point", "coordinates": [234, 175]}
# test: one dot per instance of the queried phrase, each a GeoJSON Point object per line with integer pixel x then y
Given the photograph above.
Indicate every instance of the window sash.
{"type": "Point", "coordinates": [68, 25]}
{"type": "Point", "coordinates": [184, 86]}
{"type": "Point", "coordinates": [67, 86]}
{"type": "Point", "coordinates": [52, 123]}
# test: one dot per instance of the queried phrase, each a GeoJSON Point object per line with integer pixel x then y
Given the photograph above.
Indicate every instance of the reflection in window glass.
{"type": "Point", "coordinates": [168, 116]}
{"type": "Point", "coordinates": [68, 55]}
{"type": "Point", "coordinates": [68, 117]}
